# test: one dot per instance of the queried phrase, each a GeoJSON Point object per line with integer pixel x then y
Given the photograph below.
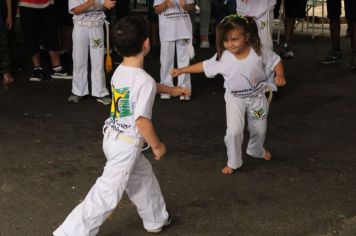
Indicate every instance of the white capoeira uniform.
{"type": "Point", "coordinates": [262, 11]}
{"type": "Point", "coordinates": [88, 36]}
{"type": "Point", "coordinates": [175, 32]}
{"type": "Point", "coordinates": [126, 168]}
{"type": "Point", "coordinates": [246, 81]}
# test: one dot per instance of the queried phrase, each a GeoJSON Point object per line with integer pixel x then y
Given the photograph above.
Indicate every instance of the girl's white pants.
{"type": "Point", "coordinates": [127, 170]}
{"type": "Point", "coordinates": [88, 39]}
{"type": "Point", "coordinates": [167, 61]}
{"type": "Point", "coordinates": [256, 110]}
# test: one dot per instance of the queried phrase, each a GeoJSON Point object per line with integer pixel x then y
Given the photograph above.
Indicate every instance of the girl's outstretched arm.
{"type": "Point", "coordinates": [195, 68]}
{"type": "Point", "coordinates": [173, 91]}
{"type": "Point", "coordinates": [279, 70]}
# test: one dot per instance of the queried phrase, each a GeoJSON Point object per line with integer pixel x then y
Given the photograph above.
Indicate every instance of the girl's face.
{"type": "Point", "coordinates": [236, 41]}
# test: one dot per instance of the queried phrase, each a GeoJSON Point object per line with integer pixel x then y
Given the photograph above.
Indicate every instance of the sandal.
{"type": "Point", "coordinates": [7, 79]}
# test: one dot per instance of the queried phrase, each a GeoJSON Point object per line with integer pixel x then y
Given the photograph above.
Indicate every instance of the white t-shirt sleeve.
{"type": "Point", "coordinates": [270, 58]}
{"type": "Point", "coordinates": [145, 98]}
{"type": "Point", "coordinates": [211, 67]}
{"type": "Point", "coordinates": [73, 4]}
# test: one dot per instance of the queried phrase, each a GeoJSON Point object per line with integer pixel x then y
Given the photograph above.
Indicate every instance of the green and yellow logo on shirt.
{"type": "Point", "coordinates": [120, 105]}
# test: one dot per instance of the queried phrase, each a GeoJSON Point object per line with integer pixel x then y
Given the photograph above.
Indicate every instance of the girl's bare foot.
{"type": "Point", "coordinates": [267, 156]}
{"type": "Point", "coordinates": [227, 170]}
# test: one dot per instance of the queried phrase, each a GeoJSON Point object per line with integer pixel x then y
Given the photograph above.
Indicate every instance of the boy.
{"type": "Point", "coordinates": [129, 124]}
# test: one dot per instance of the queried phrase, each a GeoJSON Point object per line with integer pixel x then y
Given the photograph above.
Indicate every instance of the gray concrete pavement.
{"type": "Point", "coordinates": [50, 155]}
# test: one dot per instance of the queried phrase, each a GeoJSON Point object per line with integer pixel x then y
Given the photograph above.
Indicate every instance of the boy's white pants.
{"type": "Point", "coordinates": [127, 170]}
{"type": "Point", "coordinates": [88, 39]}
{"type": "Point", "coordinates": [167, 61]}
{"type": "Point", "coordinates": [256, 109]}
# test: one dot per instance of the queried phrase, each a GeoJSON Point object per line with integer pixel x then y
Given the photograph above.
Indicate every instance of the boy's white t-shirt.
{"type": "Point", "coordinates": [93, 14]}
{"type": "Point", "coordinates": [246, 77]}
{"type": "Point", "coordinates": [133, 94]}
{"type": "Point", "coordinates": [174, 22]}
{"type": "Point", "coordinates": [255, 8]}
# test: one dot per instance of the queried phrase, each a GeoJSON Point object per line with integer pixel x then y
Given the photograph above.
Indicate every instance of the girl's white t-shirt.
{"type": "Point", "coordinates": [255, 8]}
{"type": "Point", "coordinates": [246, 77]}
{"type": "Point", "coordinates": [133, 94]}
{"type": "Point", "coordinates": [174, 22]}
{"type": "Point", "coordinates": [93, 14]}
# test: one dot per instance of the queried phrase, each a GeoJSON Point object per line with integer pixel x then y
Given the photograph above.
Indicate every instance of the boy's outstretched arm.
{"type": "Point", "coordinates": [146, 129]}
{"type": "Point", "coordinates": [195, 68]}
{"type": "Point", "coordinates": [173, 91]}
{"type": "Point", "coordinates": [279, 70]}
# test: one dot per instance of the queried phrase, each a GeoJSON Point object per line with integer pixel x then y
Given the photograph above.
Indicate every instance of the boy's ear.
{"type": "Point", "coordinates": [146, 46]}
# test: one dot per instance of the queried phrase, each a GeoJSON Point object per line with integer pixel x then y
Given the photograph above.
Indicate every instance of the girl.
{"type": "Point", "coordinates": [245, 66]}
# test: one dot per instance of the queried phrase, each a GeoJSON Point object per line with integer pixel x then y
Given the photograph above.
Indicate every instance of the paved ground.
{"type": "Point", "coordinates": [50, 155]}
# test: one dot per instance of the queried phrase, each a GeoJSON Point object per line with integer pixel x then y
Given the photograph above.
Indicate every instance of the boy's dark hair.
{"type": "Point", "coordinates": [128, 35]}
{"type": "Point", "coordinates": [247, 23]}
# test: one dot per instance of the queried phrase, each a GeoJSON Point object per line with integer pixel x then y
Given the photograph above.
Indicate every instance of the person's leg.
{"type": "Point", "coordinates": [80, 60]}
{"type": "Point", "coordinates": [5, 62]}
{"type": "Point", "coordinates": [182, 47]}
{"type": "Point", "coordinates": [293, 9]}
{"type": "Point", "coordinates": [350, 10]}
{"type": "Point", "coordinates": [144, 191]}
{"type": "Point", "coordinates": [30, 22]}
{"type": "Point", "coordinates": [204, 23]}
{"type": "Point", "coordinates": [167, 63]}
{"type": "Point", "coordinates": [334, 12]}
{"type": "Point", "coordinates": [257, 126]}
{"type": "Point", "coordinates": [235, 122]}
{"type": "Point", "coordinates": [98, 81]}
{"type": "Point", "coordinates": [107, 191]}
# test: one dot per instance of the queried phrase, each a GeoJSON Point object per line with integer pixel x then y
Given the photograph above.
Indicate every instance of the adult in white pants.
{"type": "Point", "coordinates": [88, 37]}
{"type": "Point", "coordinates": [127, 170]}
{"type": "Point", "coordinates": [262, 10]}
{"type": "Point", "coordinates": [256, 109]}
{"type": "Point", "coordinates": [167, 61]}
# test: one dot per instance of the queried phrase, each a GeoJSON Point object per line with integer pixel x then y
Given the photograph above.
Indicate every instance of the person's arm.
{"type": "Point", "coordinates": [173, 91]}
{"type": "Point", "coordinates": [195, 68]}
{"type": "Point", "coordinates": [163, 6]}
{"type": "Point", "coordinates": [146, 129]}
{"type": "Point", "coordinates": [109, 4]}
{"type": "Point", "coordinates": [279, 70]}
{"type": "Point", "coordinates": [187, 7]}
{"type": "Point", "coordinates": [9, 23]}
{"type": "Point", "coordinates": [83, 8]}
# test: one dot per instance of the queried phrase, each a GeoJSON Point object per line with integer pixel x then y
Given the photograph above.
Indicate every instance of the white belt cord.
{"type": "Point", "coordinates": [137, 142]}
{"type": "Point", "coordinates": [88, 23]}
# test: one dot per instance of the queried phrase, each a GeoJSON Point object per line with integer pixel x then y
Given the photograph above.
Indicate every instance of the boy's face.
{"type": "Point", "coordinates": [146, 47]}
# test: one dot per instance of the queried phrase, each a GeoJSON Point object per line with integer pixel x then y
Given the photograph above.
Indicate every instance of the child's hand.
{"type": "Point", "coordinates": [159, 151]}
{"type": "Point", "coordinates": [180, 91]}
{"type": "Point", "coordinates": [169, 3]}
{"type": "Point", "coordinates": [176, 72]}
{"type": "Point", "coordinates": [109, 4]}
{"type": "Point", "coordinates": [90, 3]}
{"type": "Point", "coordinates": [280, 80]}
{"type": "Point", "coordinates": [182, 4]}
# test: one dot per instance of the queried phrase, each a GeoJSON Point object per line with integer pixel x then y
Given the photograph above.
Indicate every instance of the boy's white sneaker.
{"type": "Point", "coordinates": [159, 230]}
{"type": "Point", "coordinates": [184, 98]}
{"type": "Point", "coordinates": [165, 96]}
